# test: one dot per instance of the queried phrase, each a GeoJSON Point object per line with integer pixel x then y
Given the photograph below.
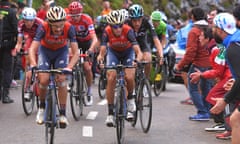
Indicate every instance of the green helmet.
{"type": "Point", "coordinates": [156, 15]}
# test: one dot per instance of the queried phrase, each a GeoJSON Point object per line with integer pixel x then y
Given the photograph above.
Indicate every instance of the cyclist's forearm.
{"type": "Point", "coordinates": [158, 46]}
{"type": "Point", "coordinates": [75, 55]}
{"type": "Point", "coordinates": [32, 52]}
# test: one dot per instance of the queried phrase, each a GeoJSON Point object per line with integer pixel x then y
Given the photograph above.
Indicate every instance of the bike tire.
{"type": "Point", "coordinates": [158, 81]}
{"type": "Point", "coordinates": [50, 121]}
{"type": "Point", "coordinates": [28, 104]}
{"type": "Point", "coordinates": [75, 99]}
{"type": "Point", "coordinates": [120, 116]}
{"type": "Point", "coordinates": [165, 76]}
{"type": "Point", "coordinates": [134, 122]}
{"type": "Point", "coordinates": [145, 105]}
{"type": "Point", "coordinates": [102, 87]}
{"type": "Point", "coordinates": [83, 88]}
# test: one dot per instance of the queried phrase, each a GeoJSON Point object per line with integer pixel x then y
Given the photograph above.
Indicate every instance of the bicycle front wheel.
{"type": "Point", "coordinates": [75, 99]}
{"type": "Point", "coordinates": [50, 120]}
{"type": "Point", "coordinates": [28, 96]}
{"type": "Point", "coordinates": [120, 116]}
{"type": "Point", "coordinates": [145, 105]}
{"type": "Point", "coordinates": [158, 81]}
{"type": "Point", "coordinates": [102, 86]}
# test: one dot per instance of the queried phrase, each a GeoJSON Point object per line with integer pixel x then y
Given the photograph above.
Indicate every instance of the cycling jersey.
{"type": "Point", "coordinates": [125, 41]}
{"type": "Point", "coordinates": [84, 28]}
{"type": "Point", "coordinates": [161, 29]}
{"type": "Point", "coordinates": [22, 29]}
{"type": "Point", "coordinates": [54, 42]}
{"type": "Point", "coordinates": [142, 33]}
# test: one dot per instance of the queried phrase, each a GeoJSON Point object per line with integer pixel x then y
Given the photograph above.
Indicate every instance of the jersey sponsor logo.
{"type": "Point", "coordinates": [91, 27]}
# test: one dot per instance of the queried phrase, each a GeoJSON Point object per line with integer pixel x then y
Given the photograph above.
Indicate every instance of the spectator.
{"type": "Point", "coordinates": [46, 4]}
{"type": "Point", "coordinates": [8, 39]}
{"type": "Point", "coordinates": [198, 57]}
{"type": "Point", "coordinates": [106, 8]}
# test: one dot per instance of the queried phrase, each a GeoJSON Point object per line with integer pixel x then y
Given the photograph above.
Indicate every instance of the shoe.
{"type": "Point", "coordinates": [109, 121]}
{"type": "Point", "coordinates": [187, 101]}
{"type": "Point", "coordinates": [216, 127]}
{"type": "Point", "coordinates": [40, 116]}
{"type": "Point", "coordinates": [7, 100]}
{"type": "Point", "coordinates": [225, 135]}
{"type": "Point", "coordinates": [89, 100]}
{"type": "Point", "coordinates": [131, 109]}
{"type": "Point", "coordinates": [200, 117]}
{"type": "Point", "coordinates": [63, 122]}
{"type": "Point", "coordinates": [27, 96]}
{"type": "Point", "coordinates": [14, 84]}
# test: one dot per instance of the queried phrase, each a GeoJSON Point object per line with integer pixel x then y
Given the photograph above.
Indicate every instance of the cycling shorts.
{"type": "Point", "coordinates": [144, 46]}
{"type": "Point", "coordinates": [57, 58]}
{"type": "Point", "coordinates": [125, 57]}
{"type": "Point", "coordinates": [84, 45]}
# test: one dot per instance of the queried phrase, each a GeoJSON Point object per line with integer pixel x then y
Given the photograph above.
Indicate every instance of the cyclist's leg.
{"type": "Point", "coordinates": [130, 82]}
{"type": "Point", "coordinates": [146, 56]}
{"type": "Point", "coordinates": [111, 59]}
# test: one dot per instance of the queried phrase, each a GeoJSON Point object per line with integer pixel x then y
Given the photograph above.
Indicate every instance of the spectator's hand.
{"type": "Point", "coordinates": [228, 85]}
{"type": "Point", "coordinates": [195, 77]}
{"type": "Point", "coordinates": [219, 106]}
{"type": "Point", "coordinates": [14, 52]}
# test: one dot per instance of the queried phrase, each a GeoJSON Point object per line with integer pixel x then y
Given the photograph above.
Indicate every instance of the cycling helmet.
{"type": "Point", "coordinates": [29, 13]}
{"type": "Point", "coordinates": [125, 13]}
{"type": "Point", "coordinates": [56, 14]}
{"type": "Point", "coordinates": [163, 16]}
{"type": "Point", "coordinates": [115, 17]}
{"type": "Point", "coordinates": [226, 22]}
{"type": "Point", "coordinates": [75, 8]}
{"type": "Point", "coordinates": [156, 16]}
{"type": "Point", "coordinates": [135, 11]}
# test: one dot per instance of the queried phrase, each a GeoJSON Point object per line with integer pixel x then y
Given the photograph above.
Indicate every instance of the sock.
{"type": "Point", "coordinates": [62, 110]}
{"type": "Point", "coordinates": [130, 96]}
{"type": "Point", "coordinates": [89, 91]}
{"type": "Point", "coordinates": [110, 109]}
{"type": "Point", "coordinates": [42, 104]}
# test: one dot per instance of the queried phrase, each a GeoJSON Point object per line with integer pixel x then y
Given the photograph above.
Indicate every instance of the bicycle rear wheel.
{"type": "Point", "coordinates": [134, 122]}
{"type": "Point", "coordinates": [75, 99]}
{"type": "Point", "coordinates": [28, 96]}
{"type": "Point", "coordinates": [145, 105]}
{"type": "Point", "coordinates": [83, 87]}
{"type": "Point", "coordinates": [50, 121]}
{"type": "Point", "coordinates": [120, 116]}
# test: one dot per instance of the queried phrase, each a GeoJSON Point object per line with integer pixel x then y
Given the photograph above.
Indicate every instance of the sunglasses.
{"type": "Point", "coordinates": [117, 26]}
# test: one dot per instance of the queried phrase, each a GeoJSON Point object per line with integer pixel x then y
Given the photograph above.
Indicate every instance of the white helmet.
{"type": "Point", "coordinates": [29, 13]}
{"type": "Point", "coordinates": [115, 17]}
{"type": "Point", "coordinates": [56, 14]}
{"type": "Point", "coordinates": [226, 22]}
{"type": "Point", "coordinates": [125, 13]}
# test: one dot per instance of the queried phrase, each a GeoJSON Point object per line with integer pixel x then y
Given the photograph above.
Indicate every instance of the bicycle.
{"type": "Point", "coordinates": [120, 102]}
{"type": "Point", "coordinates": [158, 75]}
{"type": "Point", "coordinates": [79, 88]}
{"type": "Point", "coordinates": [52, 105]}
{"type": "Point", "coordinates": [143, 98]}
{"type": "Point", "coordinates": [29, 91]}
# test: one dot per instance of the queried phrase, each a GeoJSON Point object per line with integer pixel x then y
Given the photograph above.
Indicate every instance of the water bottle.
{"type": "Point", "coordinates": [21, 74]}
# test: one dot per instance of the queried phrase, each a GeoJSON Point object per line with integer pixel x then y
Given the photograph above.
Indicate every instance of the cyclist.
{"type": "Point", "coordinates": [122, 44]}
{"type": "Point", "coordinates": [141, 25]}
{"type": "Point", "coordinates": [86, 38]}
{"type": "Point", "coordinates": [51, 41]}
{"type": "Point", "coordinates": [27, 30]}
{"type": "Point", "coordinates": [160, 27]}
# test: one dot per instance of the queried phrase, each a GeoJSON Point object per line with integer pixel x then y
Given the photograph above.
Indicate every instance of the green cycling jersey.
{"type": "Point", "coordinates": [161, 29]}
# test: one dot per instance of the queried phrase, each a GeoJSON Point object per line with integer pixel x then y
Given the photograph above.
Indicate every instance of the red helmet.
{"type": "Point", "coordinates": [75, 8]}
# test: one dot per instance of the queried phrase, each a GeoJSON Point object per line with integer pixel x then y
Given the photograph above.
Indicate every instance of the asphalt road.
{"type": "Point", "coordinates": [170, 124]}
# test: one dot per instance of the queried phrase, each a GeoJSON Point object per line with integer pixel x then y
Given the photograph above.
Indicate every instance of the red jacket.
{"type": "Point", "coordinates": [195, 54]}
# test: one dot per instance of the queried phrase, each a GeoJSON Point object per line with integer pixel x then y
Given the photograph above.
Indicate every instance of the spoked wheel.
{"type": "Point", "coordinates": [120, 117]}
{"type": "Point", "coordinates": [145, 105]}
{"type": "Point", "coordinates": [158, 82]}
{"type": "Point", "coordinates": [28, 96]}
{"type": "Point", "coordinates": [50, 122]}
{"type": "Point", "coordinates": [75, 99]}
{"type": "Point", "coordinates": [102, 86]}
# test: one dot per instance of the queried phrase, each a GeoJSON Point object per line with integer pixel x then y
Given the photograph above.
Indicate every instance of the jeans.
{"type": "Point", "coordinates": [198, 96]}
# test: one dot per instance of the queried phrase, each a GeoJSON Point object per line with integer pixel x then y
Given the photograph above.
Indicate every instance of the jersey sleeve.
{"type": "Point", "coordinates": [20, 28]}
{"type": "Point", "coordinates": [40, 33]}
{"type": "Point", "coordinates": [72, 34]}
{"type": "Point", "coordinates": [151, 28]}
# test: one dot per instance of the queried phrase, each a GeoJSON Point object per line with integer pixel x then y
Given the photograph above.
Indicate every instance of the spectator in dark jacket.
{"type": "Point", "coordinates": [8, 38]}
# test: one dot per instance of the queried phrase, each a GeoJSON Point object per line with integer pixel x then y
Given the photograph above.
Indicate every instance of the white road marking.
{"type": "Point", "coordinates": [87, 131]}
{"type": "Point", "coordinates": [92, 115]}
{"type": "Point", "coordinates": [103, 102]}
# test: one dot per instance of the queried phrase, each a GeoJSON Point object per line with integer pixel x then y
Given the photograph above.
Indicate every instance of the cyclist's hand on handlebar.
{"type": "Point", "coordinates": [161, 60]}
